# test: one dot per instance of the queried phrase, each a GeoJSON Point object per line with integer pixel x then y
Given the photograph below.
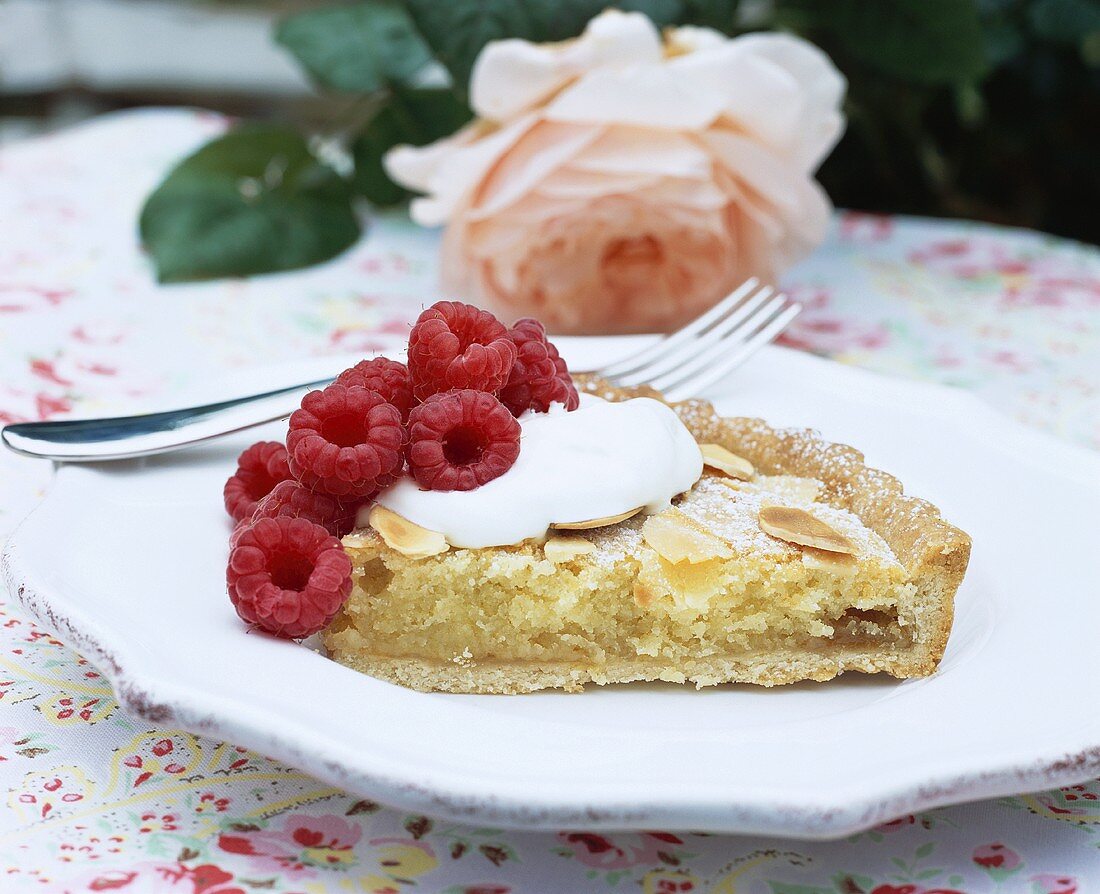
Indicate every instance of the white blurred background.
{"type": "Point", "coordinates": [63, 60]}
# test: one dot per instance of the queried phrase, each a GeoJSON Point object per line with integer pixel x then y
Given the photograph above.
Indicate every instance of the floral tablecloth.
{"type": "Point", "coordinates": [99, 801]}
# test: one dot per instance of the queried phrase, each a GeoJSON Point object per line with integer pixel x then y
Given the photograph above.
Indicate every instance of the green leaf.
{"type": "Point", "coordinates": [923, 41]}
{"type": "Point", "coordinates": [360, 47]}
{"type": "Point", "coordinates": [662, 12]}
{"type": "Point", "coordinates": [717, 14]}
{"type": "Point", "coordinates": [409, 116]}
{"type": "Point", "coordinates": [255, 200]}
{"type": "Point", "coordinates": [1003, 41]}
{"type": "Point", "coordinates": [1065, 21]}
{"type": "Point", "coordinates": [925, 849]}
{"type": "Point", "coordinates": [457, 30]}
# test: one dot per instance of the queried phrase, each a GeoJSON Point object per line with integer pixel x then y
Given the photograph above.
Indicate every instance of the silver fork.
{"type": "Point", "coordinates": [680, 365]}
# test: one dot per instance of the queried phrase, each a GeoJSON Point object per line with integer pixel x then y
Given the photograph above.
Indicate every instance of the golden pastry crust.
{"type": "Point", "coordinates": [931, 557]}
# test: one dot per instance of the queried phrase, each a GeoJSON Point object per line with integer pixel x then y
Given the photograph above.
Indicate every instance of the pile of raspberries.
{"type": "Point", "coordinates": [448, 417]}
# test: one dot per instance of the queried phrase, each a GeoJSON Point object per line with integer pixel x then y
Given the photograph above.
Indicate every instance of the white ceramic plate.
{"type": "Point", "coordinates": [126, 562]}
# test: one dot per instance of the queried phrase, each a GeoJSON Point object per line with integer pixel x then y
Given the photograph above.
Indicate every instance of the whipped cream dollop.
{"type": "Point", "coordinates": [602, 459]}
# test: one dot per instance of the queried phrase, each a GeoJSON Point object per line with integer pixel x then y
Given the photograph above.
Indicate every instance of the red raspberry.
{"type": "Point", "coordinates": [238, 529]}
{"type": "Point", "coordinates": [259, 469]}
{"type": "Point", "coordinates": [388, 377]}
{"type": "Point", "coordinates": [539, 377]}
{"type": "Point", "coordinates": [460, 440]}
{"type": "Point", "coordinates": [345, 441]}
{"type": "Point", "coordinates": [294, 500]}
{"type": "Point", "coordinates": [455, 345]}
{"type": "Point", "coordinates": [288, 576]}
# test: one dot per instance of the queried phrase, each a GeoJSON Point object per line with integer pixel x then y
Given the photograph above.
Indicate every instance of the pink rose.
{"type": "Point", "coordinates": [623, 183]}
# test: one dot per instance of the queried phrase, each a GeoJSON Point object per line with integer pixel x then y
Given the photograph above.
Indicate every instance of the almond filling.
{"type": "Point", "coordinates": [699, 580]}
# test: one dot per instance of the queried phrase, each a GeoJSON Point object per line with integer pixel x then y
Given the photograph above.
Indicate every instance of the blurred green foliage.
{"type": "Point", "coordinates": [986, 109]}
{"type": "Point", "coordinates": [1013, 140]}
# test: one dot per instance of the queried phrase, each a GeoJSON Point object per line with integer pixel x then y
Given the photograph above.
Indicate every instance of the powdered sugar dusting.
{"type": "Point", "coordinates": [728, 509]}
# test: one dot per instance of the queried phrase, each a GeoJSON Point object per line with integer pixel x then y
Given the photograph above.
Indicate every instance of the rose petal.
{"type": "Point", "coordinates": [789, 232]}
{"type": "Point", "coordinates": [692, 39]}
{"type": "Point", "coordinates": [770, 110]}
{"type": "Point", "coordinates": [825, 86]}
{"type": "Point", "coordinates": [821, 89]}
{"type": "Point", "coordinates": [634, 150]}
{"type": "Point", "coordinates": [541, 150]}
{"type": "Point", "coordinates": [416, 167]}
{"type": "Point", "coordinates": [513, 76]}
{"type": "Point", "coordinates": [679, 193]}
{"type": "Point", "coordinates": [751, 163]}
{"type": "Point", "coordinates": [616, 39]}
{"type": "Point", "coordinates": [795, 95]}
{"type": "Point", "coordinates": [454, 175]}
{"type": "Point", "coordinates": [570, 183]}
{"type": "Point", "coordinates": [645, 96]}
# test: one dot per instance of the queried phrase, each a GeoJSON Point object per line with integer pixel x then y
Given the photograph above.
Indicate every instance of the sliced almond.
{"type": "Point", "coordinates": [715, 456]}
{"type": "Point", "coordinates": [676, 540]}
{"type": "Point", "coordinates": [805, 489]}
{"type": "Point", "coordinates": [595, 522]}
{"type": "Point", "coordinates": [564, 549]}
{"type": "Point", "coordinates": [735, 484]}
{"type": "Point", "coordinates": [403, 536]}
{"type": "Point", "coordinates": [798, 526]}
{"type": "Point", "coordinates": [841, 564]}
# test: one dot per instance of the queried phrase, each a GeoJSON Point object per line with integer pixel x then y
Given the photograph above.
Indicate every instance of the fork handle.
{"type": "Point", "coordinates": [121, 437]}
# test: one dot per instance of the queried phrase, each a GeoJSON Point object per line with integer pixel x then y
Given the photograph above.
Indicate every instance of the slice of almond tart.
{"type": "Point", "coordinates": [788, 560]}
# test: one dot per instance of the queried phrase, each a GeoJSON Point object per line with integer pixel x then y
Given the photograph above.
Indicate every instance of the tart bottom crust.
{"type": "Point", "coordinates": [774, 668]}
{"type": "Point", "coordinates": [933, 553]}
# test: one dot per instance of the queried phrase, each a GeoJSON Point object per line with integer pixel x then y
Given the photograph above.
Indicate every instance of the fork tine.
{"type": "Point", "coordinates": [766, 333]}
{"type": "Point", "coordinates": [738, 319]}
{"type": "Point", "coordinates": [697, 361]}
{"type": "Point", "coordinates": [647, 355]}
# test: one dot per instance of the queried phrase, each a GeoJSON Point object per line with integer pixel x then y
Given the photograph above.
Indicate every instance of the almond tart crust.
{"type": "Point", "coordinates": [699, 593]}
